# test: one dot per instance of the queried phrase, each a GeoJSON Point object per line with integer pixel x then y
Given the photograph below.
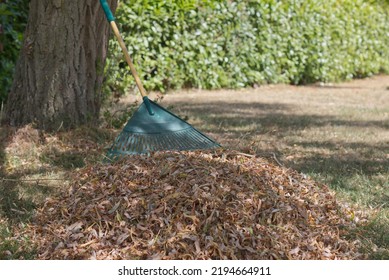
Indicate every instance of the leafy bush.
{"type": "Point", "coordinates": [13, 20]}
{"type": "Point", "coordinates": [214, 44]}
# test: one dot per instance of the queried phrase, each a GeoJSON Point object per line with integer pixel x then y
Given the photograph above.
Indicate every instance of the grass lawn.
{"type": "Point", "coordinates": [337, 134]}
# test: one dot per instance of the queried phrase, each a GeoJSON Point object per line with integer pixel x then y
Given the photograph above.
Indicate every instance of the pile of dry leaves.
{"type": "Point", "coordinates": [193, 205]}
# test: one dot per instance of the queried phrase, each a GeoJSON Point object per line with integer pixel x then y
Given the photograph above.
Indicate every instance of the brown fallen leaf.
{"type": "Point", "coordinates": [194, 205]}
{"type": "Point", "coordinates": [74, 228]}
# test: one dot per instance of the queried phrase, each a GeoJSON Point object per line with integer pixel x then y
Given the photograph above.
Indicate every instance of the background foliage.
{"type": "Point", "coordinates": [13, 20]}
{"type": "Point", "coordinates": [214, 44]}
{"type": "Point", "coordinates": [222, 43]}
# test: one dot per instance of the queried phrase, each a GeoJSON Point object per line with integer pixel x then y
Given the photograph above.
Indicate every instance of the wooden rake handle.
{"type": "Point", "coordinates": [111, 20]}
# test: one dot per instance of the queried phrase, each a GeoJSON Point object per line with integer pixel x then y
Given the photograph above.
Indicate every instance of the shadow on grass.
{"type": "Point", "coordinates": [18, 207]}
{"type": "Point", "coordinates": [282, 124]}
{"type": "Point", "coordinates": [281, 116]}
{"type": "Point", "coordinates": [68, 160]}
{"type": "Point", "coordinates": [345, 159]}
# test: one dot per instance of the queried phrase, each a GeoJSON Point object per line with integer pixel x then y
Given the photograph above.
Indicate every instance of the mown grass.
{"type": "Point", "coordinates": [12, 248]}
{"type": "Point", "coordinates": [337, 135]}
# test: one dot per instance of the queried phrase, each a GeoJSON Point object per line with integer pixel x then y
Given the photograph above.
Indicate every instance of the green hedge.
{"type": "Point", "coordinates": [214, 44]}
{"type": "Point", "coordinates": [13, 20]}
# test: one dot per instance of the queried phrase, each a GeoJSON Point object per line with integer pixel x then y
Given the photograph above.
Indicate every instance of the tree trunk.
{"type": "Point", "coordinates": [59, 74]}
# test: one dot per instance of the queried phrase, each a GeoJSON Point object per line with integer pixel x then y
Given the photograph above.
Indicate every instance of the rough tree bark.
{"type": "Point", "coordinates": [59, 75]}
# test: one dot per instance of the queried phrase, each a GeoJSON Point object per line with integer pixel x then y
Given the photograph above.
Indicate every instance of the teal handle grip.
{"type": "Point", "coordinates": [107, 10]}
{"type": "Point", "coordinates": [147, 103]}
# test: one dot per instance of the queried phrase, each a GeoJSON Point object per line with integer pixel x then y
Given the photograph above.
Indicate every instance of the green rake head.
{"type": "Point", "coordinates": [153, 128]}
